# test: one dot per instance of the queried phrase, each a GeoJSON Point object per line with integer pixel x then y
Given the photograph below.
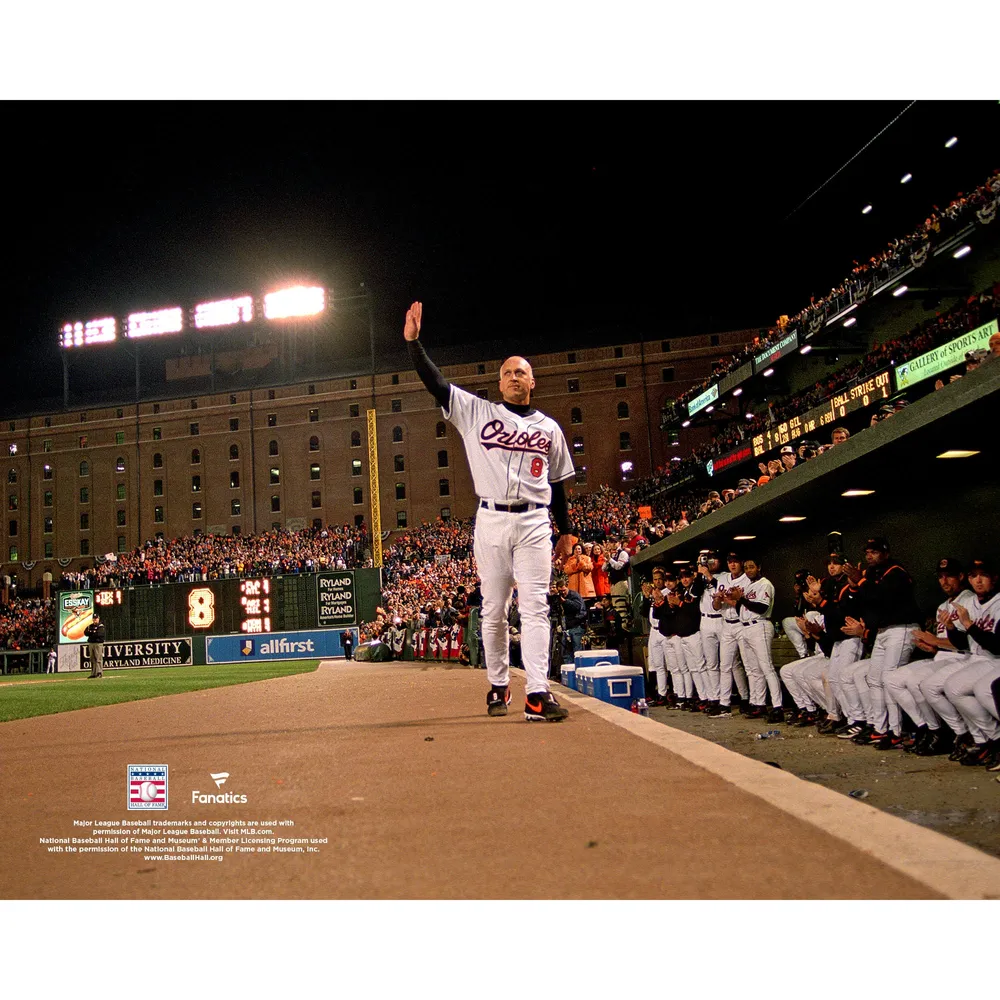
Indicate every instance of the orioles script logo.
{"type": "Point", "coordinates": [496, 435]}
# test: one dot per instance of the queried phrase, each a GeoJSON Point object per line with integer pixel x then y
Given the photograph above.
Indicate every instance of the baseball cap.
{"type": "Point", "coordinates": [763, 481]}
{"type": "Point", "coordinates": [900, 403]}
{"type": "Point", "coordinates": [949, 567]}
{"type": "Point", "coordinates": [734, 555]}
{"type": "Point", "coordinates": [983, 566]}
{"type": "Point", "coordinates": [978, 355]}
{"type": "Point", "coordinates": [836, 557]}
{"type": "Point", "coordinates": [714, 493]}
{"type": "Point", "coordinates": [877, 544]}
{"type": "Point", "coordinates": [787, 450]}
{"type": "Point", "coordinates": [670, 575]}
{"type": "Point", "coordinates": [745, 484]}
{"type": "Point", "coordinates": [687, 570]}
{"type": "Point", "coordinates": [888, 408]}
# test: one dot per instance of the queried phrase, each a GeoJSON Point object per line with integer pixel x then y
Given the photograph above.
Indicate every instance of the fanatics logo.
{"type": "Point", "coordinates": [246, 647]}
{"type": "Point", "coordinates": [147, 786]}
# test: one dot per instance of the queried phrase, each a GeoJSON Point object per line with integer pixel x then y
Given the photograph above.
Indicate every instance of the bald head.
{"type": "Point", "coordinates": [516, 381]}
{"type": "Point", "coordinates": [995, 343]}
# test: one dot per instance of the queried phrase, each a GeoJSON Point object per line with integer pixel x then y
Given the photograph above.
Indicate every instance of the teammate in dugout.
{"type": "Point", "coordinates": [519, 461]}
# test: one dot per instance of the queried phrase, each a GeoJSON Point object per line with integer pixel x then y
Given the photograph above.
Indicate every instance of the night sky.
{"type": "Point", "coordinates": [579, 223]}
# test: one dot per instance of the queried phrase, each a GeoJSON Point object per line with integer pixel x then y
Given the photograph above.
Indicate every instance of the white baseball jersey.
{"type": "Point", "coordinates": [727, 581]}
{"type": "Point", "coordinates": [760, 591]}
{"type": "Point", "coordinates": [711, 589]}
{"type": "Point", "coordinates": [512, 458]}
{"type": "Point", "coordinates": [985, 616]}
{"type": "Point", "coordinates": [965, 598]}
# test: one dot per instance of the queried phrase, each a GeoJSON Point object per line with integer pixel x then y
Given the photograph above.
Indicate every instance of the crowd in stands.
{"type": "Point", "coordinates": [27, 624]}
{"type": "Point", "coordinates": [866, 277]}
{"type": "Point", "coordinates": [218, 557]}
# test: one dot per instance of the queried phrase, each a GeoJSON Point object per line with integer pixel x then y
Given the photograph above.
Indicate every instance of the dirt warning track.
{"type": "Point", "coordinates": [370, 781]}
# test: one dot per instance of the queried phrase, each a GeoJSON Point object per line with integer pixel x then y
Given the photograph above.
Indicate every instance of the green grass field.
{"type": "Point", "coordinates": [24, 697]}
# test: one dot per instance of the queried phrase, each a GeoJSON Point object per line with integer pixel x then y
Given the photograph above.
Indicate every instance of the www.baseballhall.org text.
{"type": "Point", "coordinates": [182, 839]}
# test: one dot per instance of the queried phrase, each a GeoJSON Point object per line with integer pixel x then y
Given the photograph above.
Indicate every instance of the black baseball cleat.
{"type": "Point", "coordinates": [497, 700]}
{"type": "Point", "coordinates": [850, 730]}
{"type": "Point", "coordinates": [775, 715]}
{"type": "Point", "coordinates": [829, 727]}
{"type": "Point", "coordinates": [541, 706]}
{"type": "Point", "coordinates": [938, 742]}
{"type": "Point", "coordinates": [889, 742]}
{"type": "Point", "coordinates": [863, 738]}
{"type": "Point", "coordinates": [756, 712]}
{"type": "Point", "coordinates": [725, 712]}
{"type": "Point", "coordinates": [807, 718]}
{"type": "Point", "coordinates": [979, 755]}
{"type": "Point", "coordinates": [962, 745]}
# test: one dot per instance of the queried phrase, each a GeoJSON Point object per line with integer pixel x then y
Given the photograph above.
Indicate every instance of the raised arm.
{"type": "Point", "coordinates": [424, 367]}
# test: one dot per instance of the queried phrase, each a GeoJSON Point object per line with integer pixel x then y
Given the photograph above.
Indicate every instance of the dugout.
{"type": "Point", "coordinates": [928, 507]}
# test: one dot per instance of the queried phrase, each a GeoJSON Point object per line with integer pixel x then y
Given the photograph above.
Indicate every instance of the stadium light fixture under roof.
{"type": "Point", "coordinates": [709, 409]}
{"type": "Point", "coordinates": [962, 251]}
{"type": "Point", "coordinates": [906, 178]}
{"type": "Point", "coordinates": [687, 423]}
{"type": "Point", "coordinates": [951, 142]}
{"type": "Point", "coordinates": [223, 312]}
{"type": "Point", "coordinates": [769, 373]}
{"type": "Point", "coordinates": [743, 538]}
{"type": "Point", "coordinates": [857, 493]}
{"type": "Point", "coordinates": [957, 453]}
{"type": "Point", "coordinates": [901, 290]}
{"type": "Point", "coordinates": [155, 324]}
{"type": "Point", "coordinates": [805, 349]}
{"type": "Point", "coordinates": [866, 209]}
{"type": "Point", "coordinates": [789, 518]}
{"type": "Point", "coordinates": [738, 392]}
{"type": "Point", "coordinates": [299, 300]}
{"type": "Point", "coordinates": [851, 321]}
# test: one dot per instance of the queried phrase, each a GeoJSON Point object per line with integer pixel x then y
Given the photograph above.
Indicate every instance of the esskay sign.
{"type": "Point", "coordinates": [335, 602]}
{"type": "Point", "coordinates": [944, 357]}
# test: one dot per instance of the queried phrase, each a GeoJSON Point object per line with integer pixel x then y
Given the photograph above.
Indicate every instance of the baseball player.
{"type": "Point", "coordinates": [753, 596]}
{"type": "Point", "coordinates": [519, 461]}
{"type": "Point", "coordinates": [730, 666]}
{"type": "Point", "coordinates": [704, 588]}
{"type": "Point", "coordinates": [664, 615]}
{"type": "Point", "coordinates": [906, 686]}
{"type": "Point", "coordinates": [890, 618]}
{"type": "Point", "coordinates": [969, 690]}
{"type": "Point", "coordinates": [653, 594]}
{"type": "Point", "coordinates": [790, 625]}
{"type": "Point", "coordinates": [706, 682]}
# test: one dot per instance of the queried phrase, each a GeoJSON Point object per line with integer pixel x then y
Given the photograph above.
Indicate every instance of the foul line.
{"type": "Point", "coordinates": [947, 866]}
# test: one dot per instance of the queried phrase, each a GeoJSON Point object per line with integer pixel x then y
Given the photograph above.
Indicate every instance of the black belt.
{"type": "Point", "coordinates": [511, 508]}
{"type": "Point", "coordinates": [732, 621]}
{"type": "Point", "coordinates": [756, 622]}
{"type": "Point", "coordinates": [703, 615]}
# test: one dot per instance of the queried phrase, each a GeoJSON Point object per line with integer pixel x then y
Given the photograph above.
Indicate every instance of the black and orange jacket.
{"type": "Point", "coordinates": [886, 598]}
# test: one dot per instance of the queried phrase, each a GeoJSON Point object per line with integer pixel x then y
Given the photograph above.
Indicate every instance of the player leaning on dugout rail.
{"type": "Point", "coordinates": [519, 461]}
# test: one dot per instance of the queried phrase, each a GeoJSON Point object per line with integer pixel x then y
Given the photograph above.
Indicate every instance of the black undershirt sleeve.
{"type": "Point", "coordinates": [560, 509]}
{"type": "Point", "coordinates": [429, 374]}
{"type": "Point", "coordinates": [990, 641]}
{"type": "Point", "coordinates": [754, 606]}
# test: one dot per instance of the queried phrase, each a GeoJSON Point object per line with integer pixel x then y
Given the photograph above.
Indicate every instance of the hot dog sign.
{"type": "Point", "coordinates": [76, 612]}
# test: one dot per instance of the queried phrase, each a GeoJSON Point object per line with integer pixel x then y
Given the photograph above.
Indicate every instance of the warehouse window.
{"type": "Point", "coordinates": [195, 456]}
{"type": "Point", "coordinates": [157, 433]}
{"type": "Point", "coordinates": [234, 479]}
{"type": "Point", "coordinates": [234, 452]}
{"type": "Point", "coordinates": [667, 374]}
{"type": "Point", "coordinates": [314, 471]}
{"type": "Point", "coordinates": [578, 445]}
{"type": "Point", "coordinates": [121, 543]}
{"type": "Point", "coordinates": [444, 488]}
{"type": "Point", "coordinates": [119, 437]}
{"type": "Point", "coordinates": [46, 472]}
{"type": "Point", "coordinates": [355, 439]}
{"type": "Point", "coordinates": [272, 420]}
{"type": "Point", "coordinates": [234, 507]}
{"type": "Point", "coordinates": [84, 547]}
{"type": "Point", "coordinates": [441, 430]}
{"type": "Point", "coordinates": [48, 550]}
{"type": "Point", "coordinates": [354, 410]}
{"type": "Point", "coordinates": [158, 515]}
{"type": "Point", "coordinates": [356, 467]}
{"type": "Point", "coordinates": [85, 468]}
{"type": "Point", "coordinates": [196, 484]}
{"type": "Point", "coordinates": [157, 487]}
{"type": "Point", "coordinates": [275, 475]}
{"type": "Point", "coordinates": [621, 380]}
{"type": "Point", "coordinates": [398, 463]}
{"type": "Point", "coordinates": [624, 441]}
{"type": "Point", "coordinates": [157, 461]}
{"type": "Point", "coordinates": [234, 423]}
{"type": "Point", "coordinates": [316, 499]}
{"type": "Point", "coordinates": [575, 415]}
{"type": "Point", "coordinates": [443, 459]}
{"type": "Point", "coordinates": [196, 510]}
{"type": "Point", "coordinates": [396, 405]}
{"type": "Point", "coordinates": [397, 435]}
{"type": "Point", "coordinates": [47, 498]}
{"type": "Point", "coordinates": [120, 491]}
{"type": "Point", "coordinates": [47, 525]}
{"type": "Point", "coordinates": [119, 464]}
{"type": "Point", "coordinates": [400, 491]}
{"type": "Point", "coordinates": [84, 494]}
{"type": "Point", "coordinates": [358, 495]}
{"type": "Point", "coordinates": [194, 430]}
{"type": "Point", "coordinates": [623, 411]}
{"type": "Point", "coordinates": [313, 416]}
{"type": "Point", "coordinates": [400, 518]}
{"type": "Point", "coordinates": [275, 503]}
{"type": "Point", "coordinates": [272, 448]}
{"type": "Point", "coordinates": [314, 443]}
{"type": "Point", "coordinates": [120, 518]}
{"type": "Point", "coordinates": [84, 522]}
{"type": "Point", "coordinates": [572, 385]}
{"type": "Point", "coordinates": [12, 529]}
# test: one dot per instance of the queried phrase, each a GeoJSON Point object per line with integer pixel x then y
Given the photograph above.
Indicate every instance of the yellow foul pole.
{"type": "Point", "coordinates": [373, 491]}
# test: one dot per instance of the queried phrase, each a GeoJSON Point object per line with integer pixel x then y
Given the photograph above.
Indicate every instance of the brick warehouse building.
{"type": "Point", "coordinates": [82, 483]}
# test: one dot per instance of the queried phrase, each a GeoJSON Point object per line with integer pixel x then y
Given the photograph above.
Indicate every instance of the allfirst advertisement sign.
{"type": "Point", "coordinates": [275, 646]}
{"type": "Point", "coordinates": [944, 357]}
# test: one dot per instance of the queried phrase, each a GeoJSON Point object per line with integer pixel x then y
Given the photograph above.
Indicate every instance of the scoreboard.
{"type": "Point", "coordinates": [256, 606]}
{"type": "Point", "coordinates": [870, 391]}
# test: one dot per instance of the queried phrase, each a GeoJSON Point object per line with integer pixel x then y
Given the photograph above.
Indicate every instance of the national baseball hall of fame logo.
{"type": "Point", "coordinates": [146, 787]}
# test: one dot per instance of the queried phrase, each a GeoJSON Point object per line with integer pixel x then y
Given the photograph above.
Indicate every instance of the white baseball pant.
{"type": "Point", "coordinates": [755, 649]}
{"type": "Point", "coordinates": [657, 649]}
{"type": "Point", "coordinates": [969, 691]}
{"type": "Point", "coordinates": [906, 686]}
{"type": "Point", "coordinates": [893, 648]}
{"type": "Point", "coordinates": [794, 633]}
{"type": "Point", "coordinates": [844, 655]}
{"type": "Point", "coordinates": [933, 691]}
{"type": "Point", "coordinates": [791, 674]}
{"type": "Point", "coordinates": [705, 681]}
{"type": "Point", "coordinates": [730, 667]}
{"type": "Point", "coordinates": [515, 548]}
{"type": "Point", "coordinates": [683, 682]}
{"type": "Point", "coordinates": [711, 637]}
